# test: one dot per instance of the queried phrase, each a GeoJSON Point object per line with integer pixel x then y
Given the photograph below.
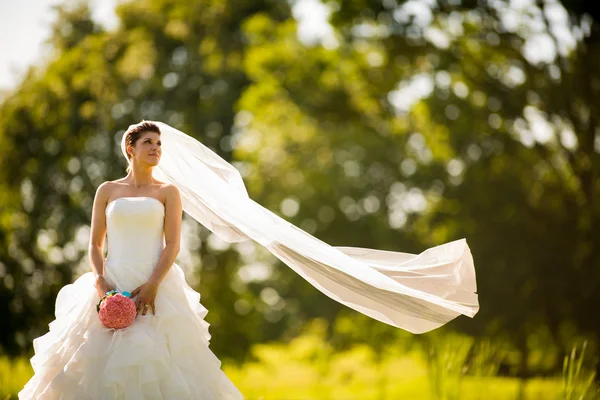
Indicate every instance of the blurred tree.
{"type": "Point", "coordinates": [416, 123]}
{"type": "Point", "coordinates": [61, 128]}
{"type": "Point", "coordinates": [507, 122]}
{"type": "Point", "coordinates": [46, 127]}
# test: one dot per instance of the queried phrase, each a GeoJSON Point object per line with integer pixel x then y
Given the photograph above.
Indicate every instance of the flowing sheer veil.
{"type": "Point", "coordinates": [415, 292]}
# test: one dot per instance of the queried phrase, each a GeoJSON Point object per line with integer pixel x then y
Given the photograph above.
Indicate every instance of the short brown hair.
{"type": "Point", "coordinates": [134, 134]}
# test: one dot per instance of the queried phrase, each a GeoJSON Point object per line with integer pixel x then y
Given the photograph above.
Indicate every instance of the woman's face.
{"type": "Point", "coordinates": [147, 149]}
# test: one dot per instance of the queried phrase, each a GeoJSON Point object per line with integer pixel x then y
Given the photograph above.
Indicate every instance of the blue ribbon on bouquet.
{"type": "Point", "coordinates": [111, 293]}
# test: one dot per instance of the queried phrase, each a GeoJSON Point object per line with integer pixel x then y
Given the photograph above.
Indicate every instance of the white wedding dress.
{"type": "Point", "coordinates": [166, 356]}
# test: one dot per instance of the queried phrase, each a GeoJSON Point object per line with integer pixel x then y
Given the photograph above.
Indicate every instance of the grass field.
{"type": "Point", "coordinates": [307, 368]}
{"type": "Point", "coordinates": [350, 376]}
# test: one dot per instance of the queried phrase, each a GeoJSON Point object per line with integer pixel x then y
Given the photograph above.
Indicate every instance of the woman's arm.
{"type": "Point", "coordinates": [98, 232]}
{"type": "Point", "coordinates": [146, 293]}
{"type": "Point", "coordinates": [173, 210]}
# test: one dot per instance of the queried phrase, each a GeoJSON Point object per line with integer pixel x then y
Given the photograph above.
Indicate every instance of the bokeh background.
{"type": "Point", "coordinates": [393, 124]}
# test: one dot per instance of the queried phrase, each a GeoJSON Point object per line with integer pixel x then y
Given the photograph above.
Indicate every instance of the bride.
{"type": "Point", "coordinates": [164, 353]}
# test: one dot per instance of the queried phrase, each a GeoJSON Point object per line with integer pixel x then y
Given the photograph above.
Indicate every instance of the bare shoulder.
{"type": "Point", "coordinates": [105, 188]}
{"type": "Point", "coordinates": [171, 191]}
{"type": "Point", "coordinates": [109, 186]}
{"type": "Point", "coordinates": [171, 195]}
{"type": "Point", "coordinates": [102, 196]}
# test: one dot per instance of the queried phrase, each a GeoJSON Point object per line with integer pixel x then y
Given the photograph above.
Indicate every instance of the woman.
{"type": "Point", "coordinates": [164, 353]}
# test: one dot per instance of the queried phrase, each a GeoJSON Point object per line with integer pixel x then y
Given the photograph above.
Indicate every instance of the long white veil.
{"type": "Point", "coordinates": [415, 292]}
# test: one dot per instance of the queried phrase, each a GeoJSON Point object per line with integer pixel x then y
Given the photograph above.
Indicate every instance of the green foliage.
{"type": "Point", "coordinates": [500, 149]}
{"type": "Point", "coordinates": [13, 375]}
{"type": "Point", "coordinates": [447, 364]}
{"type": "Point", "coordinates": [523, 194]}
{"type": "Point", "coordinates": [60, 128]}
{"type": "Point", "coordinates": [306, 367]}
{"type": "Point", "coordinates": [578, 379]}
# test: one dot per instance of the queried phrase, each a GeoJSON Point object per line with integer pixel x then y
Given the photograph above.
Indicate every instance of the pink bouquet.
{"type": "Point", "coordinates": [116, 310]}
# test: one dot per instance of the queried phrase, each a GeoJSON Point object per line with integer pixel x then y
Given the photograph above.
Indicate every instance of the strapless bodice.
{"type": "Point", "coordinates": [134, 228]}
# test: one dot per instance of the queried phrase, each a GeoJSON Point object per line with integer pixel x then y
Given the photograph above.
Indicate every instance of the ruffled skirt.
{"type": "Point", "coordinates": [162, 356]}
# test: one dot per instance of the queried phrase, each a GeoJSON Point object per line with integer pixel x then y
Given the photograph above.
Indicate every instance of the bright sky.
{"type": "Point", "coordinates": [25, 24]}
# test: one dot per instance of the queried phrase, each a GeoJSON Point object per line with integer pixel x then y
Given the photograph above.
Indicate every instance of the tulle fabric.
{"type": "Point", "coordinates": [415, 292]}
{"type": "Point", "coordinates": [162, 356]}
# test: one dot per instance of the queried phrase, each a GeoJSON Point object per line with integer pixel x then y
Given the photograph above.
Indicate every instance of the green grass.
{"type": "Point", "coordinates": [13, 375]}
{"type": "Point", "coordinates": [578, 379]}
{"type": "Point", "coordinates": [308, 368]}
{"type": "Point", "coordinates": [280, 374]}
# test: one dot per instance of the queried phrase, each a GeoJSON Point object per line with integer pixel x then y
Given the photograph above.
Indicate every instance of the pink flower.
{"type": "Point", "coordinates": [117, 311]}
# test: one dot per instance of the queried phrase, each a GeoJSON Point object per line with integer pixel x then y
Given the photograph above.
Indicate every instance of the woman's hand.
{"type": "Point", "coordinates": [102, 286]}
{"type": "Point", "coordinates": [146, 294]}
